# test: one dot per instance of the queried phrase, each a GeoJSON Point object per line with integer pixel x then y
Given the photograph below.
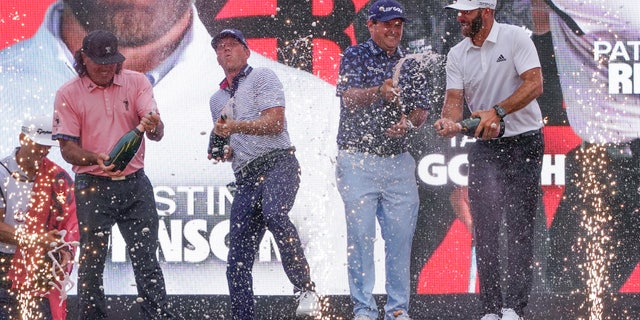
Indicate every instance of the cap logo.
{"type": "Point", "coordinates": [108, 49]}
{"type": "Point", "coordinates": [389, 9]}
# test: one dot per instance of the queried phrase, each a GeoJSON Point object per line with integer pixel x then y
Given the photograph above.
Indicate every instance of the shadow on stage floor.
{"type": "Point", "coordinates": [423, 307]}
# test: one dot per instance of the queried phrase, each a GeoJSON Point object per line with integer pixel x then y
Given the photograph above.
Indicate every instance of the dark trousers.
{"type": "Point", "coordinates": [504, 187]}
{"type": "Point", "coordinates": [266, 191]}
{"type": "Point", "coordinates": [130, 204]}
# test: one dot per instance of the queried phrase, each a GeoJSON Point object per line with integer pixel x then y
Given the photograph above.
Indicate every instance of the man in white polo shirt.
{"type": "Point", "coordinates": [496, 71]}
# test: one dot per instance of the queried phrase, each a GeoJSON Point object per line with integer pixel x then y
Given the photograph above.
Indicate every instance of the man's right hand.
{"type": "Point", "coordinates": [446, 128]}
{"type": "Point", "coordinates": [50, 239]}
{"type": "Point", "coordinates": [102, 157]}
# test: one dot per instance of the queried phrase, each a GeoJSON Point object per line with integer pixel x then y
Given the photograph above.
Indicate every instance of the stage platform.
{"type": "Point", "coordinates": [423, 307]}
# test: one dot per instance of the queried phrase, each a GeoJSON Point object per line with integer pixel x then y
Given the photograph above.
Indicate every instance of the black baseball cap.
{"type": "Point", "coordinates": [234, 33]}
{"type": "Point", "coordinates": [102, 47]}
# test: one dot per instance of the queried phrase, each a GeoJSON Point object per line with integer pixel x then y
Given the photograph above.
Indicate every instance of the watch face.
{"type": "Point", "coordinates": [500, 111]}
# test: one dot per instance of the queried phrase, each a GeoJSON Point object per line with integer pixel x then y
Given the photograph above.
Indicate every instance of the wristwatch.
{"type": "Point", "coordinates": [500, 111]}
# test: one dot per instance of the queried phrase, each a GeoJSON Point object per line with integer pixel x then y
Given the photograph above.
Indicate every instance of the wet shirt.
{"type": "Point", "coordinates": [97, 117]}
{"type": "Point", "coordinates": [490, 73]}
{"type": "Point", "coordinates": [252, 92]}
{"type": "Point", "coordinates": [363, 128]}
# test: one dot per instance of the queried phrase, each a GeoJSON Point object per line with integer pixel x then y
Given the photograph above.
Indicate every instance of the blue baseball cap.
{"type": "Point", "coordinates": [385, 10]}
{"type": "Point", "coordinates": [234, 33]}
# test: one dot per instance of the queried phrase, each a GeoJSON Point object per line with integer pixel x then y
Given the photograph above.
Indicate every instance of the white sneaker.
{"type": "Point", "coordinates": [362, 317]}
{"type": "Point", "coordinates": [510, 314]}
{"type": "Point", "coordinates": [490, 316]}
{"type": "Point", "coordinates": [308, 304]}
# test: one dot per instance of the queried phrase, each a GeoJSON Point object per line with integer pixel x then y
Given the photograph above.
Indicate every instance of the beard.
{"type": "Point", "coordinates": [475, 27]}
{"type": "Point", "coordinates": [133, 24]}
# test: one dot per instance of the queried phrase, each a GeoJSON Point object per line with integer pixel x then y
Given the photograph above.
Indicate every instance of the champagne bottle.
{"type": "Point", "coordinates": [125, 149]}
{"type": "Point", "coordinates": [468, 127]}
{"type": "Point", "coordinates": [217, 143]}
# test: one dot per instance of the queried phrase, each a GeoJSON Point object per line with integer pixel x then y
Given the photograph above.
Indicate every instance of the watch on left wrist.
{"type": "Point", "coordinates": [500, 111]}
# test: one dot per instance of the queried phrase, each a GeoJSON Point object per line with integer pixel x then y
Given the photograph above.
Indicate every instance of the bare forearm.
{"type": "Point", "coordinates": [418, 117]}
{"type": "Point", "coordinates": [530, 89]}
{"type": "Point", "coordinates": [257, 127]}
{"type": "Point", "coordinates": [75, 155]}
{"type": "Point", "coordinates": [361, 97]}
{"type": "Point", "coordinates": [270, 122]}
{"type": "Point", "coordinates": [453, 102]}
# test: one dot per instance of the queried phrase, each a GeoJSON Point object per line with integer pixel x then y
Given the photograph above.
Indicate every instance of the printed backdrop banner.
{"type": "Point", "coordinates": [302, 42]}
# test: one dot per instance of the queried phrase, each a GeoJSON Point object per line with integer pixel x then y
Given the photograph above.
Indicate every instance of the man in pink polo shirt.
{"type": "Point", "coordinates": [92, 112]}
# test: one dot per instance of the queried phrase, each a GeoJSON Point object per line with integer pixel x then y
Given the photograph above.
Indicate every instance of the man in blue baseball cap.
{"type": "Point", "coordinates": [385, 10]}
{"type": "Point", "coordinates": [373, 133]}
{"type": "Point", "coordinates": [229, 33]}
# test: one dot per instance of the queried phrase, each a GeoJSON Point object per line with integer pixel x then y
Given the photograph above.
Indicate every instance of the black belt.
{"type": "Point", "coordinates": [262, 161]}
{"type": "Point", "coordinates": [513, 139]}
{"type": "Point", "coordinates": [135, 175]}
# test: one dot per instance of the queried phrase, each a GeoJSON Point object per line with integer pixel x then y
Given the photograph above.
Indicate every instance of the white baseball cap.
{"type": "Point", "coordinates": [39, 130]}
{"type": "Point", "coordinates": [472, 4]}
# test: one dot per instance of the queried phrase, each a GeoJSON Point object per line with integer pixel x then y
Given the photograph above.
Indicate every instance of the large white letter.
{"type": "Point", "coordinates": [601, 48]}
{"type": "Point", "coordinates": [553, 170]}
{"type": "Point", "coordinates": [198, 250]}
{"type": "Point", "coordinates": [432, 170]}
{"type": "Point", "coordinates": [171, 245]}
{"type": "Point", "coordinates": [620, 78]}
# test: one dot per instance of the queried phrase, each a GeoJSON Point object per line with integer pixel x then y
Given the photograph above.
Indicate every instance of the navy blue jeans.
{"type": "Point", "coordinates": [504, 187]}
{"type": "Point", "coordinates": [264, 197]}
{"type": "Point", "coordinates": [101, 203]}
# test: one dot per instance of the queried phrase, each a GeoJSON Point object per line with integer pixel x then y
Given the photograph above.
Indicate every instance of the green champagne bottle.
{"type": "Point", "coordinates": [217, 143]}
{"type": "Point", "coordinates": [468, 127]}
{"type": "Point", "coordinates": [125, 149]}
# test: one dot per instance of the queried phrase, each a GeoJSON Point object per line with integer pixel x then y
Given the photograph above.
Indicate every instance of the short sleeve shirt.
{"type": "Point", "coordinates": [97, 117]}
{"type": "Point", "coordinates": [15, 195]}
{"type": "Point", "coordinates": [491, 73]}
{"type": "Point", "coordinates": [363, 66]}
{"type": "Point", "coordinates": [256, 90]}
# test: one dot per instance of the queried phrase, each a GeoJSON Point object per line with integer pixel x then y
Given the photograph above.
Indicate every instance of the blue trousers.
{"type": "Point", "coordinates": [265, 194]}
{"type": "Point", "coordinates": [383, 189]}
{"type": "Point", "coordinates": [504, 187]}
{"type": "Point", "coordinates": [101, 203]}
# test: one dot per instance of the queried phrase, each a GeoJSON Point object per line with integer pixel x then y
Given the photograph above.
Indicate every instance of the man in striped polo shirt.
{"type": "Point", "coordinates": [249, 111]}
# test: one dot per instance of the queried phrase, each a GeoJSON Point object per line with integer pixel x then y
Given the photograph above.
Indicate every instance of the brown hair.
{"type": "Point", "coordinates": [81, 69]}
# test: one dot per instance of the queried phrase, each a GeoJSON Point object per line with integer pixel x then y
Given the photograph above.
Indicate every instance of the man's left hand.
{"type": "Point", "coordinates": [399, 129]}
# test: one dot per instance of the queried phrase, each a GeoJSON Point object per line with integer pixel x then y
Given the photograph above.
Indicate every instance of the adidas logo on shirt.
{"type": "Point", "coordinates": [501, 58]}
